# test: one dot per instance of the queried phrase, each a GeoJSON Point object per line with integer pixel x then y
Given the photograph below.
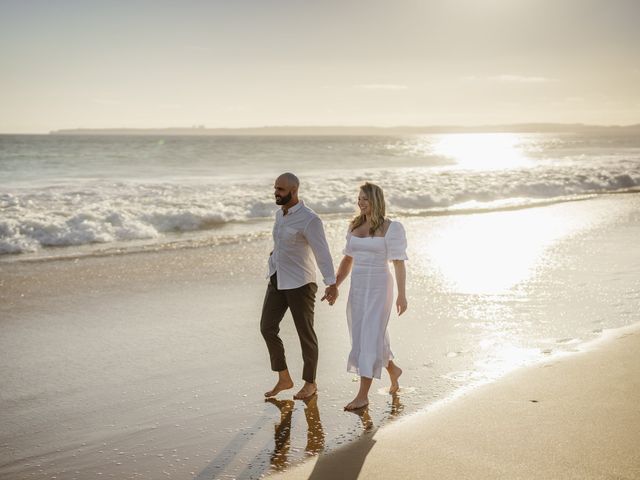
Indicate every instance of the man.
{"type": "Point", "coordinates": [298, 236]}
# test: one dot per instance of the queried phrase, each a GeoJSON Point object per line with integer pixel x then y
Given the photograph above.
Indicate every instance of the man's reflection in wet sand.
{"type": "Point", "coordinates": [282, 434]}
{"type": "Point", "coordinates": [315, 432]}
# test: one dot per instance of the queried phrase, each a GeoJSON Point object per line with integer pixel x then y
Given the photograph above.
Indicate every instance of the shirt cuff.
{"type": "Point", "coordinates": [329, 280]}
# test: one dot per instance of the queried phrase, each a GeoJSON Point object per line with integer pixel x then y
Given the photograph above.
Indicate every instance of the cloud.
{"type": "Point", "coordinates": [236, 108]}
{"type": "Point", "coordinates": [508, 78]}
{"type": "Point", "coordinates": [106, 101]}
{"type": "Point", "coordinates": [381, 86]}
{"type": "Point", "coordinates": [197, 48]}
{"type": "Point", "coordinates": [520, 79]}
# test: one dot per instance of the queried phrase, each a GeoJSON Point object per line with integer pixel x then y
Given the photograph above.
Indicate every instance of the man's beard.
{"type": "Point", "coordinates": [283, 200]}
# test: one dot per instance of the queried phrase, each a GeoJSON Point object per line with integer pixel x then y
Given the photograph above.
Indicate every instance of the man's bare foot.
{"type": "Point", "coordinates": [307, 391]}
{"type": "Point", "coordinates": [394, 374]}
{"type": "Point", "coordinates": [280, 386]}
{"type": "Point", "coordinates": [357, 403]}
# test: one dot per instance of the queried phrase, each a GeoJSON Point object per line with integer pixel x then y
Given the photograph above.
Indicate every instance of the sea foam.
{"type": "Point", "coordinates": [105, 212]}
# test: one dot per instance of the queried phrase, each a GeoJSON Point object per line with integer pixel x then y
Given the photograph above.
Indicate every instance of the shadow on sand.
{"type": "Point", "coordinates": [347, 462]}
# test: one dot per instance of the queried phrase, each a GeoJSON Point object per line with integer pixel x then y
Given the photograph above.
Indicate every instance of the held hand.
{"type": "Point", "coordinates": [401, 304]}
{"type": "Point", "coordinates": [330, 294]}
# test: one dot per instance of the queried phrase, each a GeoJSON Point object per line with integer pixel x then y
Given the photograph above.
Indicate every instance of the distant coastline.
{"type": "Point", "coordinates": [359, 130]}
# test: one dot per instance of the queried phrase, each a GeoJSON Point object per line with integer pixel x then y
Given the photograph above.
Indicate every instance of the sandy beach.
{"type": "Point", "coordinates": [572, 418]}
{"type": "Point", "coordinates": [151, 364]}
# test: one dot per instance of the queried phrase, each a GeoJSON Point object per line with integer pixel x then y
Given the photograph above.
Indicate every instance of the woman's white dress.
{"type": "Point", "coordinates": [371, 298]}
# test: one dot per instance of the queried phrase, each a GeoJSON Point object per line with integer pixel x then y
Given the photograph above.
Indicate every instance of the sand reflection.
{"type": "Point", "coordinates": [282, 431]}
{"type": "Point", "coordinates": [315, 432]}
{"type": "Point", "coordinates": [396, 406]}
{"type": "Point", "coordinates": [347, 462]}
{"type": "Point", "coordinates": [504, 357]}
{"type": "Point", "coordinates": [395, 410]}
{"type": "Point", "coordinates": [490, 253]}
{"type": "Point", "coordinates": [365, 418]}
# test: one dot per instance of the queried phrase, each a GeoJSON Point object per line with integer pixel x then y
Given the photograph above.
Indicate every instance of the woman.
{"type": "Point", "coordinates": [372, 242]}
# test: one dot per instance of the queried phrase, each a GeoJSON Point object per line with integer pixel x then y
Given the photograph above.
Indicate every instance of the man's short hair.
{"type": "Point", "coordinates": [291, 178]}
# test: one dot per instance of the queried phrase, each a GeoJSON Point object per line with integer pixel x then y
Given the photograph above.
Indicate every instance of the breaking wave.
{"type": "Point", "coordinates": [102, 212]}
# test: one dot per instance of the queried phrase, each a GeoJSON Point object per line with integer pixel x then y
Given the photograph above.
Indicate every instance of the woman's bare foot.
{"type": "Point", "coordinates": [284, 383]}
{"type": "Point", "coordinates": [307, 391]}
{"type": "Point", "coordinates": [362, 398]}
{"type": "Point", "coordinates": [394, 374]}
{"type": "Point", "coordinates": [365, 418]}
{"type": "Point", "coordinates": [356, 403]}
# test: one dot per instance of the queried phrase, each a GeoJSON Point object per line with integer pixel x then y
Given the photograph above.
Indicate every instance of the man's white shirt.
{"type": "Point", "coordinates": [298, 237]}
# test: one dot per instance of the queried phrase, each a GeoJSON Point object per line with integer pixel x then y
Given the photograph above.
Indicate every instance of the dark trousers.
{"type": "Point", "coordinates": [301, 302]}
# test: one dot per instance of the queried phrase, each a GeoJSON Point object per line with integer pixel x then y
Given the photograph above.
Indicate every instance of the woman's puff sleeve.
{"type": "Point", "coordinates": [396, 241]}
{"type": "Point", "coordinates": [347, 247]}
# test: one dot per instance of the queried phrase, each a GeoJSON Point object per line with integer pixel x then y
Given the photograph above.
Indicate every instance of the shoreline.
{"type": "Point", "coordinates": [584, 348]}
{"type": "Point", "coordinates": [490, 431]}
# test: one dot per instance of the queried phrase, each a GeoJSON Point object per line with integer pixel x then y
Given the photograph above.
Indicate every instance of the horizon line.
{"type": "Point", "coordinates": [202, 129]}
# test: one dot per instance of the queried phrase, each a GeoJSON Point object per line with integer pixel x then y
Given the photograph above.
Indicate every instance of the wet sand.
{"type": "Point", "coordinates": [572, 418]}
{"type": "Point", "coordinates": [151, 364]}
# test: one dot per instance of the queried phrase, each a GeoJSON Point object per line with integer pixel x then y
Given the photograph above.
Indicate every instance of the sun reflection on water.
{"type": "Point", "coordinates": [504, 357]}
{"type": "Point", "coordinates": [482, 151]}
{"type": "Point", "coordinates": [491, 253]}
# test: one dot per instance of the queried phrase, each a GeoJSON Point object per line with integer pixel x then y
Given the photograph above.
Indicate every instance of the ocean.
{"type": "Point", "coordinates": [132, 279]}
{"type": "Point", "coordinates": [64, 195]}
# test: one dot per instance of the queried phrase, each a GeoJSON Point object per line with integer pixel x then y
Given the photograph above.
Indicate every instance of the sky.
{"type": "Point", "coordinates": [237, 63]}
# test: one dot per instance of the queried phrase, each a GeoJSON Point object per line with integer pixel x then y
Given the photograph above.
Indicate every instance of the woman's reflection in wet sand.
{"type": "Point", "coordinates": [365, 418]}
{"type": "Point", "coordinates": [282, 434]}
{"type": "Point", "coordinates": [351, 458]}
{"type": "Point", "coordinates": [395, 409]}
{"type": "Point", "coordinates": [396, 406]}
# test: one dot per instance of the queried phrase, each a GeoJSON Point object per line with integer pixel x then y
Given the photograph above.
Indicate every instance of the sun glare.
{"type": "Point", "coordinates": [482, 151]}
{"type": "Point", "coordinates": [492, 253]}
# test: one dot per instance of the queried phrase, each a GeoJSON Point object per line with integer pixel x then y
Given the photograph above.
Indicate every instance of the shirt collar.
{"type": "Point", "coordinates": [295, 208]}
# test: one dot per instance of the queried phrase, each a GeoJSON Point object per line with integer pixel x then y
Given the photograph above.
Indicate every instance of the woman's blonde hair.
{"type": "Point", "coordinates": [376, 201]}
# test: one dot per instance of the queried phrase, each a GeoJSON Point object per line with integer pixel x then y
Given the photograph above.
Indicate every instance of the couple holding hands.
{"type": "Point", "coordinates": [372, 242]}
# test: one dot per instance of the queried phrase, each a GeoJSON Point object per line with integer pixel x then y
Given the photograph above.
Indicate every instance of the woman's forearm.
{"type": "Point", "coordinates": [401, 276]}
{"type": "Point", "coordinates": [344, 269]}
